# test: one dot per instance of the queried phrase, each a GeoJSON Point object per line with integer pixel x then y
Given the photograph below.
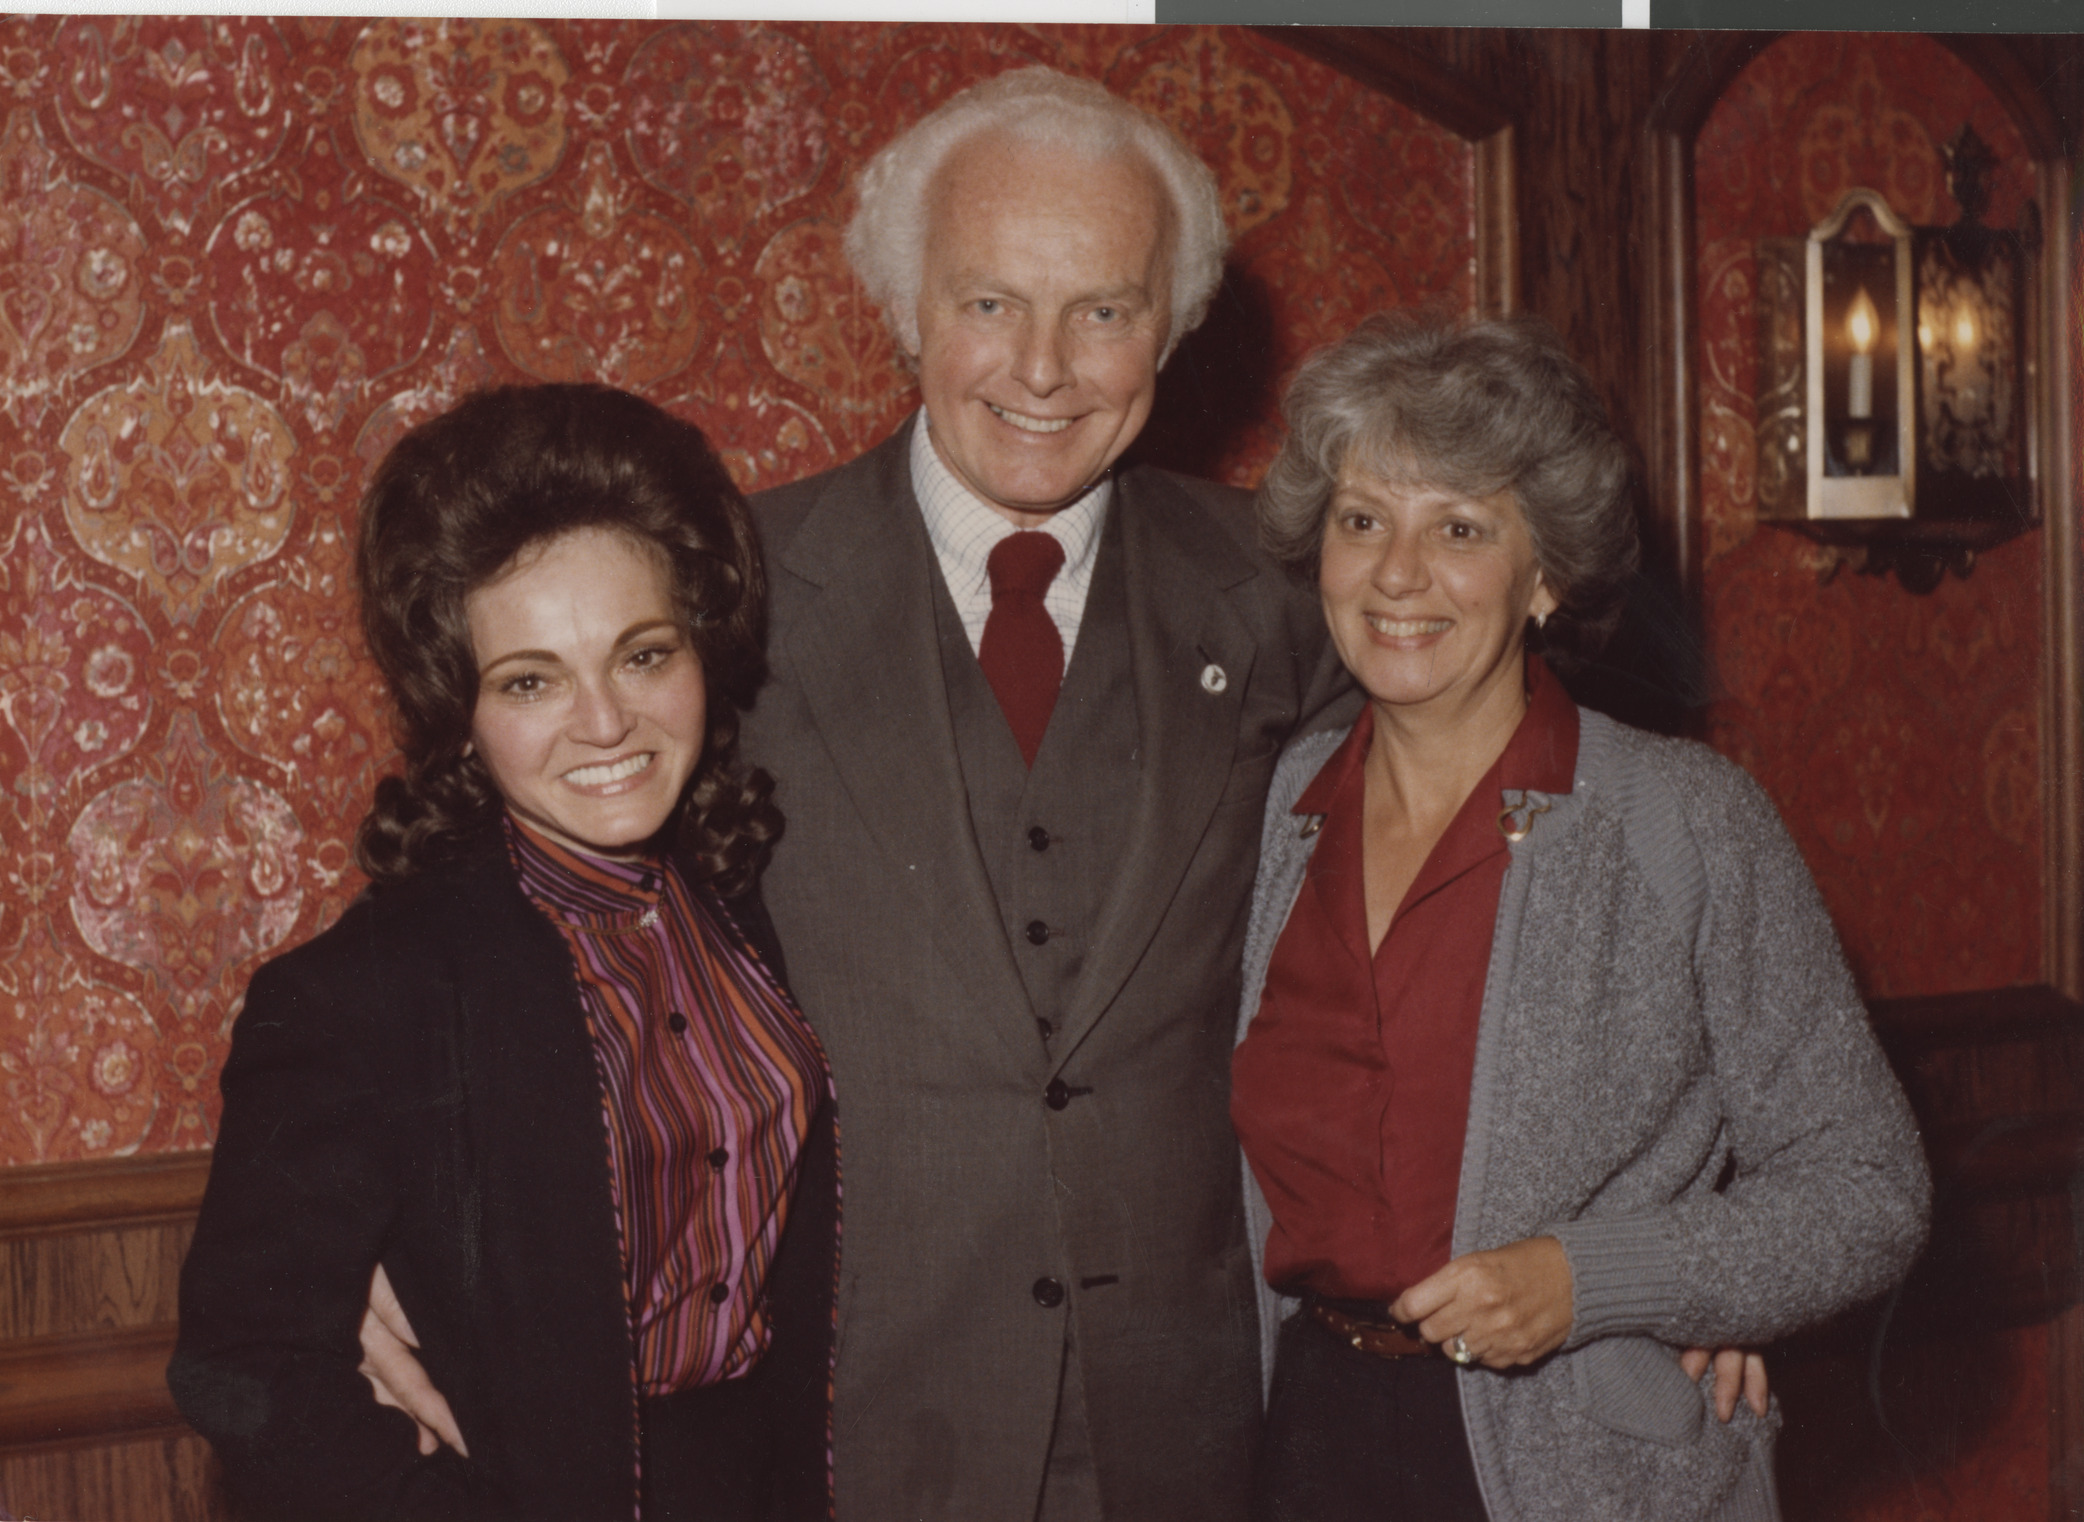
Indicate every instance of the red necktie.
{"type": "Point", "coordinates": [1021, 653]}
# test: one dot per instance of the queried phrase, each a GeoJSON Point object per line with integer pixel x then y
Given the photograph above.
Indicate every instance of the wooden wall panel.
{"type": "Point", "coordinates": [1579, 98]}
{"type": "Point", "coordinates": [77, 1281]}
{"type": "Point", "coordinates": [158, 1477]}
{"type": "Point", "coordinates": [90, 1261]}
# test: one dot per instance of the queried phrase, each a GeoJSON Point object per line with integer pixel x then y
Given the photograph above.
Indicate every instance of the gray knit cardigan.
{"type": "Point", "coordinates": [1665, 997]}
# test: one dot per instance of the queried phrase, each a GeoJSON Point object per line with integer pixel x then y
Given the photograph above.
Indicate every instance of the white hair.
{"type": "Point", "coordinates": [886, 240]}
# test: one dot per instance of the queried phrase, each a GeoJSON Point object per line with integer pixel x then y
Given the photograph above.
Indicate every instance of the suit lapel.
{"type": "Point", "coordinates": [866, 655]}
{"type": "Point", "coordinates": [1193, 658]}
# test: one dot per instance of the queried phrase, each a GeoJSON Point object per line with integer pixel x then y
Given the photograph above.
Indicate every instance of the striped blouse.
{"type": "Point", "coordinates": [709, 1081]}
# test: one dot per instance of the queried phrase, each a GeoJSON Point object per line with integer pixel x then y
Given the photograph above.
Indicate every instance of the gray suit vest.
{"type": "Point", "coordinates": [1051, 837]}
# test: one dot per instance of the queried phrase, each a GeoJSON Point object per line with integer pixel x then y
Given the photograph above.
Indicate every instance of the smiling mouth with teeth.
{"type": "Point", "coordinates": [1028, 424]}
{"type": "Point", "coordinates": [1408, 628]}
{"type": "Point", "coordinates": [614, 771]}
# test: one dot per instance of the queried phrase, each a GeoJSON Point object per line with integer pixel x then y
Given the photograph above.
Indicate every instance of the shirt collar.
{"type": "Point", "coordinates": [593, 892]}
{"type": "Point", "coordinates": [964, 529]}
{"type": "Point", "coordinates": [1541, 756]}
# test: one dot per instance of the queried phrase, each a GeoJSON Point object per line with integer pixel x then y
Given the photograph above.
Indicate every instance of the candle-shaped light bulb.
{"type": "Point", "coordinates": [1862, 326]}
{"type": "Point", "coordinates": [1862, 322]}
{"type": "Point", "coordinates": [1964, 328]}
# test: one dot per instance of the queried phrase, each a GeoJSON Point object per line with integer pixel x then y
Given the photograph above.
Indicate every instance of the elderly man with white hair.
{"type": "Point", "coordinates": [1023, 711]}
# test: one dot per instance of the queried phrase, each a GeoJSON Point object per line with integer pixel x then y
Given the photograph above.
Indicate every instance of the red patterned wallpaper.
{"type": "Point", "coordinates": [1898, 734]}
{"type": "Point", "coordinates": [239, 257]}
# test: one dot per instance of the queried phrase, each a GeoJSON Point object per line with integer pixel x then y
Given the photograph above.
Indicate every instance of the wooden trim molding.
{"type": "Point", "coordinates": [2062, 637]}
{"type": "Point", "coordinates": [2002, 1111]}
{"type": "Point", "coordinates": [85, 1385]}
{"type": "Point", "coordinates": [1996, 1080]}
{"type": "Point", "coordinates": [88, 1384]}
{"type": "Point", "coordinates": [1671, 340]}
{"type": "Point", "coordinates": [1497, 225]}
{"type": "Point", "coordinates": [113, 1193]}
{"type": "Point", "coordinates": [2066, 1415]}
{"type": "Point", "coordinates": [1671, 446]}
{"type": "Point", "coordinates": [1373, 57]}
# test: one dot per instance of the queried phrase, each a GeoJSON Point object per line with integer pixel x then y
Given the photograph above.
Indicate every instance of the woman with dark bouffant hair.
{"type": "Point", "coordinates": [539, 1102]}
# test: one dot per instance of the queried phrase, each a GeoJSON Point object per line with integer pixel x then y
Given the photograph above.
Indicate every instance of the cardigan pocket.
{"type": "Point", "coordinates": [1635, 1386]}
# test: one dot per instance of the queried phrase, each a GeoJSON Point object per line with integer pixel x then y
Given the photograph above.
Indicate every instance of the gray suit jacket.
{"type": "Point", "coordinates": [972, 1201]}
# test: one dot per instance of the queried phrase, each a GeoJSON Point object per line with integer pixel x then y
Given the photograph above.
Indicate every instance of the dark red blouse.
{"type": "Point", "coordinates": [1350, 1092]}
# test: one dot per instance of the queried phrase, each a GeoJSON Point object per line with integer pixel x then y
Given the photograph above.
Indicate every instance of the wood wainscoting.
{"type": "Point", "coordinates": [1878, 1405]}
{"type": "Point", "coordinates": [1903, 1408]}
{"type": "Point", "coordinates": [90, 1258]}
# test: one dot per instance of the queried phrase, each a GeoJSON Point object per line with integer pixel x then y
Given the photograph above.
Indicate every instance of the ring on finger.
{"type": "Point", "coordinates": [1457, 1351]}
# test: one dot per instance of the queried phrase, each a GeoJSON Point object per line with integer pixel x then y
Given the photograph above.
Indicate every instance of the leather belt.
{"type": "Point", "coordinates": [1384, 1339]}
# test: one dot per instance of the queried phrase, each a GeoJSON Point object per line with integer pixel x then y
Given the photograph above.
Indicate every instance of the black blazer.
{"type": "Point", "coordinates": [416, 1088]}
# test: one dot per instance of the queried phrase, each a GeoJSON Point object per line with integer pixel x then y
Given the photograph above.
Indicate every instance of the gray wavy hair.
{"type": "Point", "coordinates": [1476, 408]}
{"type": "Point", "coordinates": [886, 240]}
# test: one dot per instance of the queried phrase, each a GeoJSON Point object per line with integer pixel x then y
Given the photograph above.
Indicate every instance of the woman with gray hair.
{"type": "Point", "coordinates": [1549, 1064]}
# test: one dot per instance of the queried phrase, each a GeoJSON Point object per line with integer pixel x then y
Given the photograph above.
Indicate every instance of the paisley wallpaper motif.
{"type": "Point", "coordinates": [1898, 734]}
{"type": "Point", "coordinates": [239, 257]}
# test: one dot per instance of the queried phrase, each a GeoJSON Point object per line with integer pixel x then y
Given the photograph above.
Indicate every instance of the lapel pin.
{"type": "Point", "coordinates": [1213, 679]}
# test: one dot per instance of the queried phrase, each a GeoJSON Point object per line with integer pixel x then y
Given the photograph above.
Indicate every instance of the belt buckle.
{"type": "Point", "coordinates": [1380, 1339]}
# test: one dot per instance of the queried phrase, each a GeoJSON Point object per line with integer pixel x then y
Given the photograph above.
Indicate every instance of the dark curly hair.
{"type": "Point", "coordinates": [452, 505]}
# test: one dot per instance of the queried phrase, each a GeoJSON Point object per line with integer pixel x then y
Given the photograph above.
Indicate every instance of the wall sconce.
{"type": "Point", "coordinates": [1897, 367]}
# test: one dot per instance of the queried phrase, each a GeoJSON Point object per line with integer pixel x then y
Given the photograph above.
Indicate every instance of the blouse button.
{"type": "Point", "coordinates": [719, 1293]}
{"type": "Point", "coordinates": [719, 1157]}
{"type": "Point", "coordinates": [676, 1022]}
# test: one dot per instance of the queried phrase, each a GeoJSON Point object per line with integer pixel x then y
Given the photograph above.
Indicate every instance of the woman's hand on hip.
{"type": "Point", "coordinates": [396, 1376]}
{"type": "Point", "coordinates": [1510, 1306]}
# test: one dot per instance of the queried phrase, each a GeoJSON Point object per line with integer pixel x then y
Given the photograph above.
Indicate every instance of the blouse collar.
{"type": "Point", "coordinates": [588, 891]}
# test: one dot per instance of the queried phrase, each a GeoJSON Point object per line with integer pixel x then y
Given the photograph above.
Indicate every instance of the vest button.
{"type": "Point", "coordinates": [1037, 932]}
{"type": "Point", "coordinates": [719, 1157]}
{"type": "Point", "coordinates": [719, 1293]}
{"type": "Point", "coordinates": [1038, 839]}
{"type": "Point", "coordinates": [1049, 1294]}
{"type": "Point", "coordinates": [1057, 1095]}
{"type": "Point", "coordinates": [1044, 1027]}
{"type": "Point", "coordinates": [676, 1022]}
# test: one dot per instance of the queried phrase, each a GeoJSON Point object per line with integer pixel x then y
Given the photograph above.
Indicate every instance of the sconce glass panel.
{"type": "Point", "coordinates": [1969, 360]}
{"type": "Point", "coordinates": [1860, 333]}
{"type": "Point", "coordinates": [1862, 429]}
{"type": "Point", "coordinates": [1971, 374]}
